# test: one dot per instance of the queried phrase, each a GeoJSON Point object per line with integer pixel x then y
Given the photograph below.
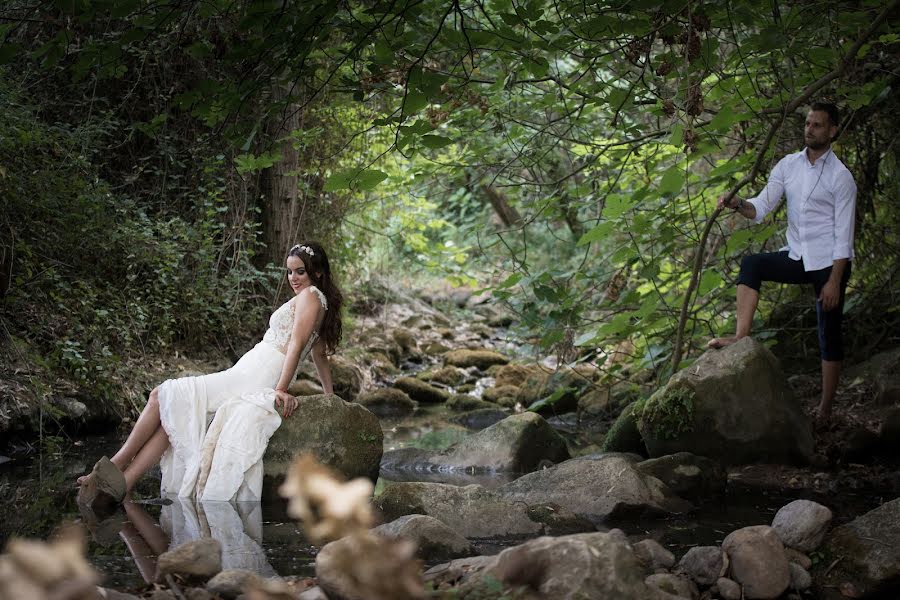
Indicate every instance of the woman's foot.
{"type": "Point", "coordinates": [103, 487]}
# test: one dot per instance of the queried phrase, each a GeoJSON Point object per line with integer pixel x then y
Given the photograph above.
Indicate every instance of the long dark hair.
{"type": "Point", "coordinates": [319, 272]}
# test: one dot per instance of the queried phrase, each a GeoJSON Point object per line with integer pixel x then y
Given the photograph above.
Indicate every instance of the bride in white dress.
{"type": "Point", "coordinates": [221, 459]}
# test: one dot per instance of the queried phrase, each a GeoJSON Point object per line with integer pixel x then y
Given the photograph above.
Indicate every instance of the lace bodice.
{"type": "Point", "coordinates": [281, 324]}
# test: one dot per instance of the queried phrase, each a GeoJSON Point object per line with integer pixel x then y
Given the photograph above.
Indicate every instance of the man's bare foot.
{"type": "Point", "coordinates": [721, 342]}
{"type": "Point", "coordinates": [823, 416]}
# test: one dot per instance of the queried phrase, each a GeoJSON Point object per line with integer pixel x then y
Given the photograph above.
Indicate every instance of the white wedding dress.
{"type": "Point", "coordinates": [219, 424]}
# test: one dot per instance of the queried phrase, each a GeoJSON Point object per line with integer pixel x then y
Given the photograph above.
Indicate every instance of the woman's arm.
{"type": "Point", "coordinates": [306, 314]}
{"type": "Point", "coordinates": [323, 367]}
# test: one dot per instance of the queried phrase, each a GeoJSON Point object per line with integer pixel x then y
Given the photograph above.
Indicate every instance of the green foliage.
{"type": "Point", "coordinates": [99, 278]}
{"type": "Point", "coordinates": [668, 413]}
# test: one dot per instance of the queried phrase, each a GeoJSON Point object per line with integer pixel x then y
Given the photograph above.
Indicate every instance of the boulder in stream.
{"type": "Point", "coordinates": [342, 435]}
{"type": "Point", "coordinates": [584, 565]}
{"type": "Point", "coordinates": [472, 511]}
{"type": "Point", "coordinates": [758, 562]}
{"type": "Point", "coordinates": [434, 540]}
{"type": "Point", "coordinates": [518, 443]}
{"type": "Point", "coordinates": [597, 488]}
{"type": "Point", "coordinates": [480, 358]}
{"type": "Point", "coordinates": [868, 553]}
{"type": "Point", "coordinates": [732, 405]}
{"type": "Point", "coordinates": [200, 559]}
{"type": "Point", "coordinates": [691, 477]}
{"type": "Point", "coordinates": [387, 402]}
{"type": "Point", "coordinates": [421, 391]}
{"type": "Point", "coordinates": [802, 524]}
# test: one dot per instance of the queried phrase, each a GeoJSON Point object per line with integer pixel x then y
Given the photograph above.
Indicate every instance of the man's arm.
{"type": "Point", "coordinates": [844, 224]}
{"type": "Point", "coordinates": [757, 208]}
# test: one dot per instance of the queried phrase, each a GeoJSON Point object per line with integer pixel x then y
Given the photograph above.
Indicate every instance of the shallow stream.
{"type": "Point", "coordinates": [37, 494]}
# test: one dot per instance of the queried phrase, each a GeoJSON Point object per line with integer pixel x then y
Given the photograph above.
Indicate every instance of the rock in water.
{"type": "Point", "coordinates": [434, 540]}
{"type": "Point", "coordinates": [584, 565]}
{"type": "Point", "coordinates": [597, 488]}
{"type": "Point", "coordinates": [518, 443]}
{"type": "Point", "coordinates": [200, 559]}
{"type": "Point", "coordinates": [342, 435]}
{"type": "Point", "coordinates": [703, 564]}
{"type": "Point", "coordinates": [482, 358]}
{"type": "Point", "coordinates": [104, 488]}
{"type": "Point", "coordinates": [733, 405]}
{"type": "Point", "coordinates": [802, 524]}
{"type": "Point", "coordinates": [387, 402]}
{"type": "Point", "coordinates": [758, 562]}
{"type": "Point", "coordinates": [690, 476]}
{"type": "Point", "coordinates": [869, 547]}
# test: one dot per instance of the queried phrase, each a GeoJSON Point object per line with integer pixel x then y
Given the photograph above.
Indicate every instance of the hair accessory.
{"type": "Point", "coordinates": [300, 248]}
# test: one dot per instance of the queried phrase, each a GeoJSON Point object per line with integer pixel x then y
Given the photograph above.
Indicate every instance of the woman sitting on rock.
{"type": "Point", "coordinates": [222, 459]}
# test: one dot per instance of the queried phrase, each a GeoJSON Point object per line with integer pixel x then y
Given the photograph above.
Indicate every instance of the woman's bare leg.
{"type": "Point", "coordinates": [149, 455]}
{"type": "Point", "coordinates": [147, 424]}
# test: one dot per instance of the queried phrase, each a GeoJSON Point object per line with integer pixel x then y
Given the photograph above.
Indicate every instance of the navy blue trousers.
{"type": "Point", "coordinates": [779, 267]}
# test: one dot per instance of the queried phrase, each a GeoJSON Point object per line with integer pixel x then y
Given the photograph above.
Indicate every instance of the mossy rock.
{"type": "Point", "coordinates": [449, 376]}
{"type": "Point", "coordinates": [624, 436]}
{"type": "Point", "coordinates": [518, 374]}
{"type": "Point", "coordinates": [405, 339]}
{"type": "Point", "coordinates": [436, 349]}
{"type": "Point", "coordinates": [668, 413]}
{"type": "Point", "coordinates": [504, 395]}
{"type": "Point", "coordinates": [387, 402]}
{"type": "Point", "coordinates": [420, 391]}
{"type": "Point", "coordinates": [482, 359]}
{"type": "Point", "coordinates": [341, 435]}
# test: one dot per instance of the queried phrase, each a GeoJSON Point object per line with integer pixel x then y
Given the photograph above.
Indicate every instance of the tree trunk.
{"type": "Point", "coordinates": [282, 209]}
{"type": "Point", "coordinates": [506, 212]}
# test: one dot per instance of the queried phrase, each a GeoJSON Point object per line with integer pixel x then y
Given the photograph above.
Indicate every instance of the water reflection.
{"type": "Point", "coordinates": [238, 527]}
{"type": "Point", "coordinates": [445, 474]}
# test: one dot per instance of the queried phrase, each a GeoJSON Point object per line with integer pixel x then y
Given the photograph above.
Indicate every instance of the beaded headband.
{"type": "Point", "coordinates": [300, 248]}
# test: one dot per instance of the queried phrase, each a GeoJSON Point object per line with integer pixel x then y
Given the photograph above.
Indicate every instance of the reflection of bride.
{"type": "Point", "coordinates": [238, 528]}
{"type": "Point", "coordinates": [222, 459]}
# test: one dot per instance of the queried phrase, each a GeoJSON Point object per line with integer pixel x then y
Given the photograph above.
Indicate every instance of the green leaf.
{"type": "Point", "coordinates": [709, 281]}
{"type": "Point", "coordinates": [510, 281]}
{"type": "Point", "coordinates": [384, 54]}
{"type": "Point", "coordinates": [338, 181]}
{"type": "Point", "coordinates": [671, 181]}
{"type": "Point", "coordinates": [435, 141]}
{"type": "Point", "coordinates": [367, 179]}
{"type": "Point", "coordinates": [598, 233]}
{"type": "Point", "coordinates": [415, 101]}
{"type": "Point", "coordinates": [551, 399]}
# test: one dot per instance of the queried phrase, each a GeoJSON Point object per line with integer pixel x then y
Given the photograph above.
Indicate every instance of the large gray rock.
{"type": "Point", "coordinates": [231, 583]}
{"type": "Point", "coordinates": [387, 402]}
{"type": "Point", "coordinates": [676, 585]}
{"type": "Point", "coordinates": [471, 511]}
{"type": "Point", "coordinates": [421, 391]}
{"type": "Point", "coordinates": [585, 565]}
{"type": "Point", "coordinates": [434, 540]}
{"type": "Point", "coordinates": [758, 562]}
{"type": "Point", "coordinates": [480, 358]}
{"type": "Point", "coordinates": [802, 524]}
{"type": "Point", "coordinates": [341, 435]}
{"type": "Point", "coordinates": [689, 476]}
{"type": "Point", "coordinates": [703, 564]}
{"type": "Point", "coordinates": [199, 559]}
{"type": "Point", "coordinates": [869, 549]}
{"type": "Point", "coordinates": [653, 555]}
{"type": "Point", "coordinates": [518, 443]}
{"type": "Point", "coordinates": [732, 405]}
{"type": "Point", "coordinates": [597, 488]}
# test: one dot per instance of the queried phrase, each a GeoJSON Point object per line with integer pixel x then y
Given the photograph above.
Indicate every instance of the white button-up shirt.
{"type": "Point", "coordinates": [821, 207]}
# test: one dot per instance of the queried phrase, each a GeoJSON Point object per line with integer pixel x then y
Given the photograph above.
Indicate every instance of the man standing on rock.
{"type": "Point", "coordinates": [821, 209]}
